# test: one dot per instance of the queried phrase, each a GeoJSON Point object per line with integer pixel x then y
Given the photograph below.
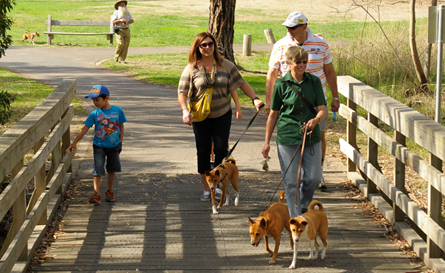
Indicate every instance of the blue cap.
{"type": "Point", "coordinates": [98, 90]}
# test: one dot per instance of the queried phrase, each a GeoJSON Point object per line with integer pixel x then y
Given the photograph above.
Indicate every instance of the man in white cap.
{"type": "Point", "coordinates": [319, 64]}
{"type": "Point", "coordinates": [121, 19]}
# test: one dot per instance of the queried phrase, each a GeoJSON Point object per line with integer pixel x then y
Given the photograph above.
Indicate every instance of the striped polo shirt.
{"type": "Point", "coordinates": [317, 48]}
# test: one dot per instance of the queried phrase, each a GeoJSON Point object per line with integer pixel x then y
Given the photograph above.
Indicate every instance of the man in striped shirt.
{"type": "Point", "coordinates": [319, 64]}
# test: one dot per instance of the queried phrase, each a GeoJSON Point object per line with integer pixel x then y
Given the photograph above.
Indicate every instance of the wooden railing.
{"type": "Point", "coordinates": [45, 132]}
{"type": "Point", "coordinates": [407, 123]}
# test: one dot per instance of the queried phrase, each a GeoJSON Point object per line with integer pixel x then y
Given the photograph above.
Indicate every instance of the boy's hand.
{"type": "Point", "coordinates": [71, 148]}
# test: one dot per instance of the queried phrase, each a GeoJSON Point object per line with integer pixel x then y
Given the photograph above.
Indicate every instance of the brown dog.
{"type": "Point", "coordinates": [221, 175]}
{"type": "Point", "coordinates": [271, 222]}
{"type": "Point", "coordinates": [30, 36]}
{"type": "Point", "coordinates": [307, 226]}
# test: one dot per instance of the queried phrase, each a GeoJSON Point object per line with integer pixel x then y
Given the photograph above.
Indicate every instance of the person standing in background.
{"type": "Point", "coordinates": [122, 19]}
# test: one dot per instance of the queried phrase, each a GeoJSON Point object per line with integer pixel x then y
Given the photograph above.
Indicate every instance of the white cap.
{"type": "Point", "coordinates": [295, 18]}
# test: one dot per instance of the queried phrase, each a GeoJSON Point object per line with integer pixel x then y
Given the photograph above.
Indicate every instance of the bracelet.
{"type": "Point", "coordinates": [183, 108]}
{"type": "Point", "coordinates": [253, 99]}
{"type": "Point", "coordinates": [336, 98]}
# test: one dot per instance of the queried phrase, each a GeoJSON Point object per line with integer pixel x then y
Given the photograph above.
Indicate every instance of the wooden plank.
{"type": "Point", "coordinates": [20, 138]}
{"type": "Point", "coordinates": [421, 129]}
{"type": "Point", "coordinates": [415, 162]}
{"type": "Point", "coordinates": [18, 184]}
{"type": "Point", "coordinates": [21, 239]}
{"type": "Point", "coordinates": [78, 23]}
{"type": "Point", "coordinates": [78, 33]}
{"type": "Point", "coordinates": [418, 216]}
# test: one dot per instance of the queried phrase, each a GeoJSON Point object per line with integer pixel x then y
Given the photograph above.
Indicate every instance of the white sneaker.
{"type": "Point", "coordinates": [205, 197]}
{"type": "Point", "coordinates": [218, 193]}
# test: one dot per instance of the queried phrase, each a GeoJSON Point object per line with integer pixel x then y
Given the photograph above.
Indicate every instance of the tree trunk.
{"type": "Point", "coordinates": [415, 55]}
{"type": "Point", "coordinates": [221, 21]}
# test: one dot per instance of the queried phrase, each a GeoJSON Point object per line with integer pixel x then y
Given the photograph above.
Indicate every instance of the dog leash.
{"type": "Point", "coordinates": [20, 26]}
{"type": "Point", "coordinates": [288, 166]}
{"type": "Point", "coordinates": [299, 166]}
{"type": "Point", "coordinates": [245, 130]}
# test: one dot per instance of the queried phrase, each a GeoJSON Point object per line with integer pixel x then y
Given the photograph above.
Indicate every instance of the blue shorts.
{"type": "Point", "coordinates": [112, 157]}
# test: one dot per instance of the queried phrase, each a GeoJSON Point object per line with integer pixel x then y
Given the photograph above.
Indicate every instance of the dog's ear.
{"type": "Point", "coordinates": [263, 223]}
{"type": "Point", "coordinates": [207, 172]}
{"type": "Point", "coordinates": [292, 221]}
{"type": "Point", "coordinates": [304, 223]}
{"type": "Point", "coordinates": [251, 220]}
{"type": "Point", "coordinates": [217, 172]}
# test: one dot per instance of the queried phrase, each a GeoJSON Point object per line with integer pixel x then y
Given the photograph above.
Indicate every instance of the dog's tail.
{"type": "Point", "coordinates": [315, 203]}
{"type": "Point", "coordinates": [281, 196]}
{"type": "Point", "coordinates": [231, 160]}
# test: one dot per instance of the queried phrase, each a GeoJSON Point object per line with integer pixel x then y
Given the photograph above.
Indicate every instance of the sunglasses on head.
{"type": "Point", "coordinates": [294, 27]}
{"type": "Point", "coordinates": [299, 62]}
{"type": "Point", "coordinates": [209, 44]}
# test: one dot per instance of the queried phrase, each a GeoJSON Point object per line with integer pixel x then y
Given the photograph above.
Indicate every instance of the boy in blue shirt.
{"type": "Point", "coordinates": [108, 121]}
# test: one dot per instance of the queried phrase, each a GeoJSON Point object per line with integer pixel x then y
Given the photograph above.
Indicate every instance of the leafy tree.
{"type": "Point", "coordinates": [5, 24]}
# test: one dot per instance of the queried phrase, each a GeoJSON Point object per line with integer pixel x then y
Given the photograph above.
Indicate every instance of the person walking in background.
{"type": "Point", "coordinates": [122, 19]}
{"type": "Point", "coordinates": [294, 97]}
{"type": "Point", "coordinates": [108, 121]}
{"type": "Point", "coordinates": [319, 64]}
{"type": "Point", "coordinates": [207, 69]}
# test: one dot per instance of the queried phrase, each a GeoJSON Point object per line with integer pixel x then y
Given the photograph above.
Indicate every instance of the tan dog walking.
{"type": "Point", "coordinates": [220, 176]}
{"type": "Point", "coordinates": [271, 222]}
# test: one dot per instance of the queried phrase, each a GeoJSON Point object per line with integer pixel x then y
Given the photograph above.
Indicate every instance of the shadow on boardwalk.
{"type": "Point", "coordinates": [158, 224]}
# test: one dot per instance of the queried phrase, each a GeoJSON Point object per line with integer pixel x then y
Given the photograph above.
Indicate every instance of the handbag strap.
{"type": "Point", "coordinates": [311, 108]}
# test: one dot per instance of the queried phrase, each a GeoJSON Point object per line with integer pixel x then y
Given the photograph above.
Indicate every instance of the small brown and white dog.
{"type": "Point", "coordinates": [220, 176]}
{"type": "Point", "coordinates": [271, 222]}
{"type": "Point", "coordinates": [308, 226]}
{"type": "Point", "coordinates": [30, 36]}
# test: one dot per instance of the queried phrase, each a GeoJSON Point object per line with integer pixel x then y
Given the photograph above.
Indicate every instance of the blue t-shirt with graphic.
{"type": "Point", "coordinates": [106, 126]}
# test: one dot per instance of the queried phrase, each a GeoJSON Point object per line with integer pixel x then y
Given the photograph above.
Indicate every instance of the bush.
{"type": "Point", "coordinates": [5, 103]}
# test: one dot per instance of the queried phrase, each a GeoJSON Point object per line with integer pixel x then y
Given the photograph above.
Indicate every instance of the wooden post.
{"type": "Point", "coordinates": [49, 29]}
{"type": "Point", "coordinates": [372, 155]}
{"type": "Point", "coordinates": [351, 136]}
{"type": "Point", "coordinates": [19, 216]}
{"type": "Point", "coordinates": [399, 177]}
{"type": "Point", "coordinates": [247, 44]}
{"type": "Point", "coordinates": [434, 209]}
{"type": "Point", "coordinates": [269, 36]}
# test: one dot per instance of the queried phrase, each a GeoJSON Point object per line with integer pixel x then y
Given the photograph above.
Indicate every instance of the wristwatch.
{"type": "Point", "coordinates": [253, 99]}
{"type": "Point", "coordinates": [183, 108]}
{"type": "Point", "coordinates": [335, 98]}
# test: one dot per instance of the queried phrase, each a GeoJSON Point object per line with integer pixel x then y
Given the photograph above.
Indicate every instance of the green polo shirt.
{"type": "Point", "coordinates": [293, 110]}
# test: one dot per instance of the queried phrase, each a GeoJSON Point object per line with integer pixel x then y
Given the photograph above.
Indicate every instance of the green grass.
{"type": "Point", "coordinates": [27, 94]}
{"type": "Point", "coordinates": [151, 28]}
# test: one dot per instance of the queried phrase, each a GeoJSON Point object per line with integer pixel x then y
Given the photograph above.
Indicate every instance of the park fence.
{"type": "Point", "coordinates": [429, 238]}
{"type": "Point", "coordinates": [33, 150]}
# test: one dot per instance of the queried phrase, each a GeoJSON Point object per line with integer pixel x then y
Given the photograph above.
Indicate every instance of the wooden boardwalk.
{"type": "Point", "coordinates": [158, 224]}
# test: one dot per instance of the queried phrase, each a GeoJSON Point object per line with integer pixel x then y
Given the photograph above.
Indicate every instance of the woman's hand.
{"type": "Point", "coordinates": [312, 123]}
{"type": "Point", "coordinates": [258, 104]}
{"type": "Point", "coordinates": [238, 113]}
{"type": "Point", "coordinates": [187, 117]}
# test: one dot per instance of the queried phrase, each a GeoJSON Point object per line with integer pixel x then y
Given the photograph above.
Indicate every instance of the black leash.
{"type": "Point", "coordinates": [245, 130]}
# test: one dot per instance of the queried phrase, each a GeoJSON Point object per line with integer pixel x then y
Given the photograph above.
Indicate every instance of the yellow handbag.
{"type": "Point", "coordinates": [201, 109]}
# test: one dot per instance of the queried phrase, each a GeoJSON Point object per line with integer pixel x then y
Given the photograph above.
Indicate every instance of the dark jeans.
{"type": "Point", "coordinates": [217, 129]}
